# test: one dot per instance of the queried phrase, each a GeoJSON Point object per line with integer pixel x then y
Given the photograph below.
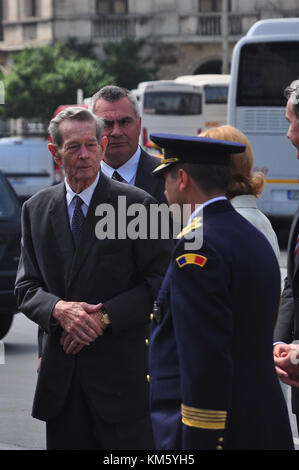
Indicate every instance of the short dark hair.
{"type": "Point", "coordinates": [292, 92]}
{"type": "Point", "coordinates": [210, 178]}
{"type": "Point", "coordinates": [114, 93]}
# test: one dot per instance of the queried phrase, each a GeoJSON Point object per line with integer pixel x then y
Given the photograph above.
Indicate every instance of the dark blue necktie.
{"type": "Point", "coordinates": [77, 220]}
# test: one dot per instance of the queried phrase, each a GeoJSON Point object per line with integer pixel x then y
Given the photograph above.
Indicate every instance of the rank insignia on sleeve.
{"type": "Point", "coordinates": [191, 258]}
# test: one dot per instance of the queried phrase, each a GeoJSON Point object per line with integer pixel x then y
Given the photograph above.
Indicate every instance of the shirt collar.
{"type": "Point", "coordinates": [199, 207]}
{"type": "Point", "coordinates": [85, 195]}
{"type": "Point", "coordinates": [127, 170]}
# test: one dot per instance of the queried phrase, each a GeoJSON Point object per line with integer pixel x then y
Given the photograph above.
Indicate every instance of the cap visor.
{"type": "Point", "coordinates": [158, 171]}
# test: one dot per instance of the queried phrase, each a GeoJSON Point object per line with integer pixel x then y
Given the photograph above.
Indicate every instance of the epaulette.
{"type": "Point", "coordinates": [195, 224]}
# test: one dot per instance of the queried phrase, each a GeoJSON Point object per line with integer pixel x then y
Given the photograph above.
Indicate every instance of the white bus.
{"type": "Point", "coordinates": [187, 105]}
{"type": "Point", "coordinates": [264, 62]}
{"type": "Point", "coordinates": [214, 88]}
{"type": "Point", "coordinates": [168, 107]}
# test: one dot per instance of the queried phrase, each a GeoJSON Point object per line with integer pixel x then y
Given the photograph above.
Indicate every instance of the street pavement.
{"type": "Point", "coordinates": [18, 430]}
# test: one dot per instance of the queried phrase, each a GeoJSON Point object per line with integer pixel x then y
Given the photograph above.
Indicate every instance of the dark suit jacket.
{"type": "Point", "coordinates": [204, 357]}
{"type": "Point", "coordinates": [124, 274]}
{"type": "Point", "coordinates": [287, 326]}
{"type": "Point", "coordinates": [146, 181]}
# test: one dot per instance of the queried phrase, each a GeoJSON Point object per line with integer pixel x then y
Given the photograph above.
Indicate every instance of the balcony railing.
{"type": "Point", "coordinates": [117, 27]}
{"type": "Point", "coordinates": [205, 25]}
{"type": "Point", "coordinates": [210, 24]}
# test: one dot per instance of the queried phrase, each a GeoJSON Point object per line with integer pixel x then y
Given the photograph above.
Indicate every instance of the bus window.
{"type": "Point", "coordinates": [216, 94]}
{"type": "Point", "coordinates": [265, 70]}
{"type": "Point", "coordinates": [172, 103]}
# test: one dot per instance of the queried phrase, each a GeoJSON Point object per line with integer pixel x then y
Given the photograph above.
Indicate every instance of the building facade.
{"type": "Point", "coordinates": [184, 37]}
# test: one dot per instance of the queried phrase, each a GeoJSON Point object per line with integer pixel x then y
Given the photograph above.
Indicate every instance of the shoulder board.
{"type": "Point", "coordinates": [195, 224]}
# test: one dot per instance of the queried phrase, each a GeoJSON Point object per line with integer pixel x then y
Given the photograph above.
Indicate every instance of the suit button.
{"type": "Point", "coordinates": [219, 448]}
{"type": "Point", "coordinates": [148, 378]}
{"type": "Point", "coordinates": [147, 341]}
{"type": "Point", "coordinates": [220, 439]}
{"type": "Point", "coordinates": [151, 316]}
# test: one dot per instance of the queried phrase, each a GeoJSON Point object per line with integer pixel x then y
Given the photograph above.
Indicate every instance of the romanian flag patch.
{"type": "Point", "coordinates": [191, 258]}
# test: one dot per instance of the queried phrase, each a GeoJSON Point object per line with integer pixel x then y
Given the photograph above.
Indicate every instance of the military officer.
{"type": "Point", "coordinates": [212, 377]}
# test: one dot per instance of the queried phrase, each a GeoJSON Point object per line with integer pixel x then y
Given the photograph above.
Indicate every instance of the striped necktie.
{"type": "Point", "coordinates": [116, 176]}
{"type": "Point", "coordinates": [77, 220]}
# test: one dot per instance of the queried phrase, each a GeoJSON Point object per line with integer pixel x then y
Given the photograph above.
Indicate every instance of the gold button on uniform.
{"type": "Point", "coordinates": [151, 316]}
{"type": "Point", "coordinates": [219, 448]}
{"type": "Point", "coordinates": [148, 378]}
{"type": "Point", "coordinates": [147, 341]}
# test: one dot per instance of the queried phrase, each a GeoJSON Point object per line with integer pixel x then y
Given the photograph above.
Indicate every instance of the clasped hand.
{"type": "Point", "coordinates": [81, 324]}
{"type": "Point", "coordinates": [286, 359]}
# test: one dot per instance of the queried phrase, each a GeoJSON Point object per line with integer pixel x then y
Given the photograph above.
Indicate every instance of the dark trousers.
{"type": "Point", "coordinates": [79, 427]}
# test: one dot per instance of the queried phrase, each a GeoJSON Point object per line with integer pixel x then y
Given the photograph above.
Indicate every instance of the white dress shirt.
{"type": "Point", "coordinates": [127, 171]}
{"type": "Point", "coordinates": [85, 195]}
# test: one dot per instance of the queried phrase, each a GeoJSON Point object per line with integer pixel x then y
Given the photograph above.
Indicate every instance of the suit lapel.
{"type": "Point", "coordinates": [61, 226]}
{"type": "Point", "coordinates": [293, 266]}
{"type": "Point", "coordinates": [101, 195]}
{"type": "Point", "coordinates": [144, 178]}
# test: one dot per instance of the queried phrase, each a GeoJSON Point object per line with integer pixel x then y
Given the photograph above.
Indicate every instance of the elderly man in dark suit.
{"type": "Point", "coordinates": [213, 383]}
{"type": "Point", "coordinates": [92, 296]}
{"type": "Point", "coordinates": [124, 159]}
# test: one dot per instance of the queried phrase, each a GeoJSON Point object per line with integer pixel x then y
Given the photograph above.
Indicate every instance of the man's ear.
{"type": "Point", "coordinates": [103, 145]}
{"type": "Point", "coordinates": [183, 178]}
{"type": "Point", "coordinates": [53, 149]}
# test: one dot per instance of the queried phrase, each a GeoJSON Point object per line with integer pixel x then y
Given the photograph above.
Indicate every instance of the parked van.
{"type": "Point", "coordinates": [28, 165]}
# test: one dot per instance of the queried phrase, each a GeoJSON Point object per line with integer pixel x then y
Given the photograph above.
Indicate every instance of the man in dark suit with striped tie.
{"type": "Point", "coordinates": [287, 328]}
{"type": "Point", "coordinates": [124, 159]}
{"type": "Point", "coordinates": [93, 297]}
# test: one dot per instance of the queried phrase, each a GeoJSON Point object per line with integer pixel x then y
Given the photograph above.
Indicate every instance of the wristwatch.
{"type": "Point", "coordinates": [105, 317]}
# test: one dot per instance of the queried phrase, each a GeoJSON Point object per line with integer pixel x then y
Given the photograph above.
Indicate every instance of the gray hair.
{"type": "Point", "coordinates": [114, 93]}
{"type": "Point", "coordinates": [75, 113]}
{"type": "Point", "coordinates": [292, 92]}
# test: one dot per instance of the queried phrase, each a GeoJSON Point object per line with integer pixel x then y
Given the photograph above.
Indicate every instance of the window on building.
{"type": "Point", "coordinates": [4, 9]}
{"type": "Point", "coordinates": [29, 32]}
{"type": "Point", "coordinates": [206, 6]}
{"type": "Point", "coordinates": [105, 7]}
{"type": "Point", "coordinates": [31, 8]}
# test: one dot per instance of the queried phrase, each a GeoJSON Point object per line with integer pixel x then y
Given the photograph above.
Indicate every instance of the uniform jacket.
{"type": "Point", "coordinates": [287, 326]}
{"type": "Point", "coordinates": [124, 274]}
{"type": "Point", "coordinates": [212, 377]}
